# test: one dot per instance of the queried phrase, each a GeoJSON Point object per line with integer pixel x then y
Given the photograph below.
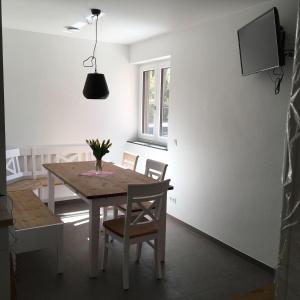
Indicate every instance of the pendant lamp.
{"type": "Point", "coordinates": [95, 85]}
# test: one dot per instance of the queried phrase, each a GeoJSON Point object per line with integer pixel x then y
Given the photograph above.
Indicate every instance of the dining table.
{"type": "Point", "coordinates": [109, 188]}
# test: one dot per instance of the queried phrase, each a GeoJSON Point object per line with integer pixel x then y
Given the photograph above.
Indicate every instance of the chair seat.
{"type": "Point", "coordinates": [135, 207]}
{"type": "Point", "coordinates": [30, 212]}
{"type": "Point", "coordinates": [44, 181]}
{"type": "Point", "coordinates": [30, 184]}
{"type": "Point", "coordinates": [24, 184]}
{"type": "Point", "coordinates": [117, 227]}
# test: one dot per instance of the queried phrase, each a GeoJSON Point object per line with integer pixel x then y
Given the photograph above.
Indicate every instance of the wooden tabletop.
{"type": "Point", "coordinates": [92, 187]}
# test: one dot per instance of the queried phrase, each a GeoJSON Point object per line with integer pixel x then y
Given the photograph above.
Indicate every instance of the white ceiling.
{"type": "Point", "coordinates": [126, 21]}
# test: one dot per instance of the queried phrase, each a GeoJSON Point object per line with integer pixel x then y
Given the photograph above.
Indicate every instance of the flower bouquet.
{"type": "Point", "coordinates": [99, 150]}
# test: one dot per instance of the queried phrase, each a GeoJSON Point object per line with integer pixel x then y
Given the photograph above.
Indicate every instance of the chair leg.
{"type": "Point", "coordinates": [157, 255]}
{"type": "Point", "coordinates": [104, 217]}
{"type": "Point", "coordinates": [115, 215]}
{"type": "Point", "coordinates": [138, 251]}
{"type": "Point", "coordinates": [104, 213]}
{"type": "Point", "coordinates": [104, 252]}
{"type": "Point", "coordinates": [125, 267]}
{"type": "Point", "coordinates": [115, 212]}
{"type": "Point", "coordinates": [101, 219]}
{"type": "Point", "coordinates": [40, 193]}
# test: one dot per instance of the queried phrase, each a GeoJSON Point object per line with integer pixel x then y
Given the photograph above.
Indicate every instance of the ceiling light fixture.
{"type": "Point", "coordinates": [76, 27]}
{"type": "Point", "coordinates": [95, 85]}
{"type": "Point", "coordinates": [89, 19]}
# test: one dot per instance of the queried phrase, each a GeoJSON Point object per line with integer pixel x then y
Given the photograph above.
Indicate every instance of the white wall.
{"type": "Point", "coordinates": [44, 104]}
{"type": "Point", "coordinates": [226, 168]}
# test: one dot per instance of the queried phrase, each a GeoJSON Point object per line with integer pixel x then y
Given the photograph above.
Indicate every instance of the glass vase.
{"type": "Point", "coordinates": [99, 166]}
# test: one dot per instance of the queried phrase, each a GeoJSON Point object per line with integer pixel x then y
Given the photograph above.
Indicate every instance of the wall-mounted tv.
{"type": "Point", "coordinates": [261, 43]}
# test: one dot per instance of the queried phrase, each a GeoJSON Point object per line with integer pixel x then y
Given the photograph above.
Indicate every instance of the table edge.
{"type": "Point", "coordinates": [96, 196]}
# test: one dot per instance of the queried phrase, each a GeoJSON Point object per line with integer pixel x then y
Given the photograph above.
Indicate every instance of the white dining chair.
{"type": "Point", "coordinates": [147, 226]}
{"type": "Point", "coordinates": [130, 161]}
{"type": "Point", "coordinates": [154, 169]}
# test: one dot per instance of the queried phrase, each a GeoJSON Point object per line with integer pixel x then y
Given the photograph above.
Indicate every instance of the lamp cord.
{"type": "Point", "coordinates": [92, 58]}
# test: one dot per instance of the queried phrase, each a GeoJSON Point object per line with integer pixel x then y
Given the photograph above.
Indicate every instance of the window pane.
{"type": "Point", "coordinates": [165, 101]}
{"type": "Point", "coordinates": [148, 101]}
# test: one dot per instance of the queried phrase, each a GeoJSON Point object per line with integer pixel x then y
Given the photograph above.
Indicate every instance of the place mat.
{"type": "Point", "coordinates": [93, 173]}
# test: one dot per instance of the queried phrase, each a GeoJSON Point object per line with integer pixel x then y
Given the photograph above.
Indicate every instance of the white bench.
{"type": "Point", "coordinates": [35, 226]}
{"type": "Point", "coordinates": [24, 168]}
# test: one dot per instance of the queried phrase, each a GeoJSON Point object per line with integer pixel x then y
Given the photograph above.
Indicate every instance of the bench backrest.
{"type": "Point", "coordinates": [55, 154]}
{"type": "Point", "coordinates": [18, 163]}
{"type": "Point", "coordinates": [28, 162]}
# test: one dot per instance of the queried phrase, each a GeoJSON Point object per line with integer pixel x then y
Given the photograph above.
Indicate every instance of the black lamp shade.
{"type": "Point", "coordinates": [95, 86]}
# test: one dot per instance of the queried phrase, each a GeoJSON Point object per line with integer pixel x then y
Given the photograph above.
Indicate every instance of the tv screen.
{"type": "Point", "coordinates": [260, 43]}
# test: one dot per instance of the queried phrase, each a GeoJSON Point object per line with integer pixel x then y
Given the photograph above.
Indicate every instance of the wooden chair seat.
{"type": "Point", "coordinates": [117, 227]}
{"type": "Point", "coordinates": [30, 184]}
{"type": "Point", "coordinates": [44, 181]}
{"type": "Point", "coordinates": [29, 211]}
{"type": "Point", "coordinates": [24, 184]}
{"type": "Point", "coordinates": [135, 207]}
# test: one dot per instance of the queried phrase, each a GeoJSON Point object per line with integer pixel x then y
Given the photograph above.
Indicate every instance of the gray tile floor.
{"type": "Point", "coordinates": [196, 268]}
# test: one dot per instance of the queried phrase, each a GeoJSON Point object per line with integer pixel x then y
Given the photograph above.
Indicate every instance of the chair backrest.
{"type": "Point", "coordinates": [141, 195]}
{"type": "Point", "coordinates": [18, 163]}
{"type": "Point", "coordinates": [55, 154]}
{"type": "Point", "coordinates": [155, 169]}
{"type": "Point", "coordinates": [130, 161]}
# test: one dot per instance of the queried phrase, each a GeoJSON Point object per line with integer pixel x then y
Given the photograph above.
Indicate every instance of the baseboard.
{"type": "Point", "coordinates": [239, 253]}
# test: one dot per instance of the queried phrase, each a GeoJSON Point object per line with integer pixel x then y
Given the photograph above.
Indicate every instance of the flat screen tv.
{"type": "Point", "coordinates": [261, 43]}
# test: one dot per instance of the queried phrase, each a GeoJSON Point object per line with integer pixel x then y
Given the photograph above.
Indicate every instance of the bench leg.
{"type": "Point", "coordinates": [60, 250]}
{"type": "Point", "coordinates": [138, 251]}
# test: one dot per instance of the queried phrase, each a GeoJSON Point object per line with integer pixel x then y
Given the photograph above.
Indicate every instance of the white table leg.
{"type": "Point", "coordinates": [163, 243]}
{"type": "Point", "coordinates": [163, 235]}
{"type": "Point", "coordinates": [51, 204]}
{"type": "Point", "coordinates": [94, 225]}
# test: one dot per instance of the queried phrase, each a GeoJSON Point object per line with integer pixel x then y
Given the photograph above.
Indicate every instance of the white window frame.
{"type": "Point", "coordinates": [157, 67]}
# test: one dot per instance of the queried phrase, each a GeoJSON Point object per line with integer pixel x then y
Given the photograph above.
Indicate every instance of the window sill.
{"type": "Point", "coordinates": [149, 144]}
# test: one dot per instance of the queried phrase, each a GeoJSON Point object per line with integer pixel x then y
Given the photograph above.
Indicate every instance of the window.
{"type": "Point", "coordinates": [148, 101]}
{"type": "Point", "coordinates": [164, 101]}
{"type": "Point", "coordinates": [154, 102]}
